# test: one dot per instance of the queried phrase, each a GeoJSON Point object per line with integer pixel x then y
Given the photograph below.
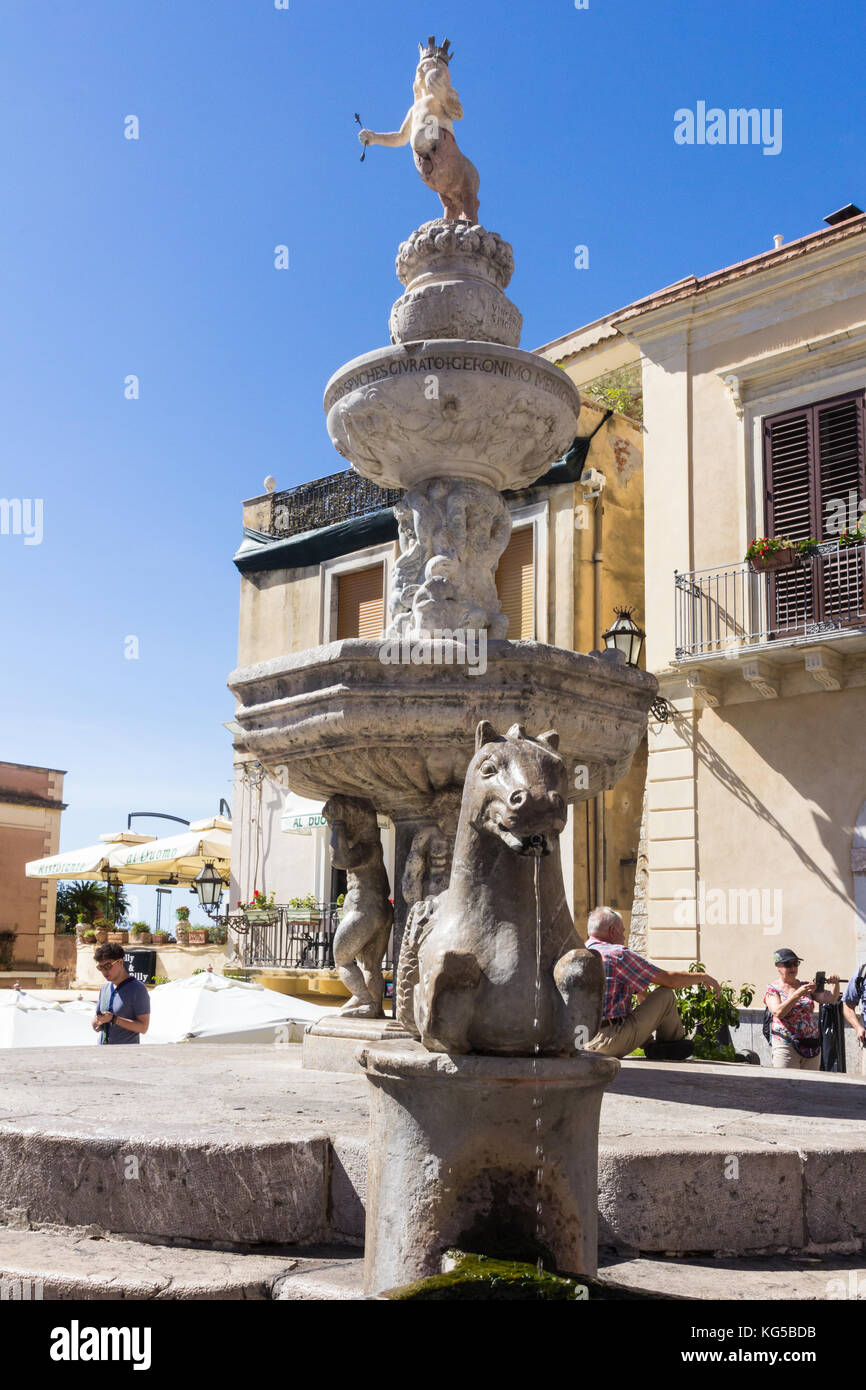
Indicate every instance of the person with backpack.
{"type": "Point", "coordinates": [790, 1017]}
{"type": "Point", "coordinates": [123, 1007]}
{"type": "Point", "coordinates": [854, 996]}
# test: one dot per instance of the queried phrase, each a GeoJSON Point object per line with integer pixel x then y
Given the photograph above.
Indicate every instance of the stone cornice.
{"type": "Point", "coordinates": [755, 278]}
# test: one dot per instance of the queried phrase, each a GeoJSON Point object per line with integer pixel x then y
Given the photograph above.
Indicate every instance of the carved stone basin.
{"type": "Point", "coordinates": [451, 408]}
{"type": "Point", "coordinates": [339, 719]}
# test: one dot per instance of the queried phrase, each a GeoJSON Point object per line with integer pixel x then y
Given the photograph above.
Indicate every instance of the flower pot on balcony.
{"type": "Point", "coordinates": [785, 559]}
{"type": "Point", "coordinates": [303, 914]}
{"type": "Point", "coordinates": [260, 914]}
{"type": "Point", "coordinates": [197, 936]}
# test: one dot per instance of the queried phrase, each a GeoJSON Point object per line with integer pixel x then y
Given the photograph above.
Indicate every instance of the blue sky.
{"type": "Point", "coordinates": [155, 257]}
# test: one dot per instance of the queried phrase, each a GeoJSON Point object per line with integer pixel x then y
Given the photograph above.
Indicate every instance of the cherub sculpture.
{"type": "Point", "coordinates": [429, 129]}
{"type": "Point", "coordinates": [362, 936]}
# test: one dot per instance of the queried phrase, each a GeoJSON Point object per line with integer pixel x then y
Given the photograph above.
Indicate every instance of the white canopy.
{"type": "Point", "coordinates": [87, 863]}
{"type": "Point", "coordinates": [300, 816]}
{"type": "Point", "coordinates": [212, 1008]}
{"type": "Point", "coordinates": [184, 854]}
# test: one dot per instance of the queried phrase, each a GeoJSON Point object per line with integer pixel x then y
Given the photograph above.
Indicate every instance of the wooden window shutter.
{"type": "Point", "coordinates": [360, 607]}
{"type": "Point", "coordinates": [815, 458]}
{"type": "Point", "coordinates": [515, 584]}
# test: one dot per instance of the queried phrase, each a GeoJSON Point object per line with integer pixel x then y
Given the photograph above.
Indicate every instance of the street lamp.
{"type": "Point", "coordinates": [626, 636]}
{"type": "Point", "coordinates": [209, 887]}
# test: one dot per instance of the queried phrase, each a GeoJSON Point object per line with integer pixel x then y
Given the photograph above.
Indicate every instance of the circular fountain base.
{"type": "Point", "coordinates": [453, 1161]}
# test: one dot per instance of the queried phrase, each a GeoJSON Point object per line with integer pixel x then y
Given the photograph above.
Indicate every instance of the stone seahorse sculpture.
{"type": "Point", "coordinates": [468, 964]}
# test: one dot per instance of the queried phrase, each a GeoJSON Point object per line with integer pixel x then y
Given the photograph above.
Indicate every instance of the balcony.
{"type": "Point", "coordinates": [812, 617]}
{"type": "Point", "coordinates": [327, 501]}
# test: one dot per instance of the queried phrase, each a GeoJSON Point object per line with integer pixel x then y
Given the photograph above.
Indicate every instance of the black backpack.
{"type": "Point", "coordinates": [768, 1017]}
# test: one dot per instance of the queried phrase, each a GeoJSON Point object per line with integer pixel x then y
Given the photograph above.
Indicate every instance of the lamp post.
{"type": "Point", "coordinates": [626, 636]}
{"type": "Point", "coordinates": [209, 888]}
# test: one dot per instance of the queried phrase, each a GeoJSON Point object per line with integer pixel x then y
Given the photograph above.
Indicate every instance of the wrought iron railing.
{"type": "Point", "coordinates": [289, 939]}
{"type": "Point", "coordinates": [723, 610]}
{"type": "Point", "coordinates": [327, 501]}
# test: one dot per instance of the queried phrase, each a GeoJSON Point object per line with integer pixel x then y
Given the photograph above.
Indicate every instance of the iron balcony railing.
{"type": "Point", "coordinates": [722, 610]}
{"type": "Point", "coordinates": [289, 939]}
{"type": "Point", "coordinates": [327, 501]}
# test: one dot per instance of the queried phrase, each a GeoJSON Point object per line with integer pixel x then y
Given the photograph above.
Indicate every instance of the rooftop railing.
{"type": "Point", "coordinates": [721, 610]}
{"type": "Point", "coordinates": [327, 501]}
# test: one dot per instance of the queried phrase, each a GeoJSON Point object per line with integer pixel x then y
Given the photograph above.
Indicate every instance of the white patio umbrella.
{"type": "Point", "coordinates": [184, 855]}
{"type": "Point", "coordinates": [27, 1023]}
{"type": "Point", "coordinates": [213, 1008]}
{"type": "Point", "coordinates": [86, 863]}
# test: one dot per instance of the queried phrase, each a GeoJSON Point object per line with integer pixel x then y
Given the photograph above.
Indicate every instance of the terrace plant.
{"type": "Point", "coordinates": [706, 1017]}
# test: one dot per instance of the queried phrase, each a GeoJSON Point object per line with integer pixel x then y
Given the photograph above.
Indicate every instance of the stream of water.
{"type": "Point", "coordinates": [537, 1099]}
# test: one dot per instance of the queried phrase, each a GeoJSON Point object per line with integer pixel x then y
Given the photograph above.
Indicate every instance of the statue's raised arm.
{"type": "Point", "coordinates": [429, 129]}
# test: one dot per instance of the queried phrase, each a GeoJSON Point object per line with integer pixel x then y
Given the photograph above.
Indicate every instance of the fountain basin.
{"type": "Point", "coordinates": [452, 1159]}
{"type": "Point", "coordinates": [339, 718]}
{"type": "Point", "coordinates": [451, 408]}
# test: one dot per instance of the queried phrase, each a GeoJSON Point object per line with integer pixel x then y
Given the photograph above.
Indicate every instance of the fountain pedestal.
{"type": "Point", "coordinates": [452, 1159]}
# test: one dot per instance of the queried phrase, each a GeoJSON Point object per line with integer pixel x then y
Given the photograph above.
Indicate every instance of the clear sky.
{"type": "Point", "coordinates": [154, 257]}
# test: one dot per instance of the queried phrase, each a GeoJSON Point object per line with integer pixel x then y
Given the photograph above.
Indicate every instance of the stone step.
{"type": "Point", "coordinates": [243, 1146]}
{"type": "Point", "coordinates": [779, 1279]}
{"type": "Point", "coordinates": [56, 1265]}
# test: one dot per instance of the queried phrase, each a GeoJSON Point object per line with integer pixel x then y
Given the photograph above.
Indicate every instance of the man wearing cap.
{"type": "Point", "coordinates": [794, 1025]}
{"type": "Point", "coordinates": [626, 973]}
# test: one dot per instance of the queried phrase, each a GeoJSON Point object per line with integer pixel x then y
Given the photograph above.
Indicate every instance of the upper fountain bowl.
{"type": "Point", "coordinates": [451, 408]}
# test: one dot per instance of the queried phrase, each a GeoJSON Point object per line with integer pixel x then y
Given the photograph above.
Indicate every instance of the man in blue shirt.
{"type": "Point", "coordinates": [123, 1008]}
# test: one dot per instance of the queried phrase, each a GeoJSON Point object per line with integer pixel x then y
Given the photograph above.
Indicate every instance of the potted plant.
{"type": "Point", "coordinates": [197, 935]}
{"type": "Point", "coordinates": [709, 1018]}
{"type": "Point", "coordinates": [776, 553]}
{"type": "Point", "coordinates": [218, 936]}
{"type": "Point", "coordinates": [304, 909]}
{"type": "Point", "coordinates": [102, 926]}
{"type": "Point", "coordinates": [119, 937]}
{"type": "Point", "coordinates": [182, 915]}
{"type": "Point", "coordinates": [90, 937]}
{"type": "Point", "coordinates": [141, 933]}
{"type": "Point", "coordinates": [82, 926]}
{"type": "Point", "coordinates": [161, 938]}
{"type": "Point", "coordinates": [182, 934]}
{"type": "Point", "coordinates": [341, 899]}
{"type": "Point", "coordinates": [260, 908]}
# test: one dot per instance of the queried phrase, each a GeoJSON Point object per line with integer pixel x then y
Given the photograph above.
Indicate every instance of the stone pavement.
{"type": "Point", "coordinates": [240, 1146]}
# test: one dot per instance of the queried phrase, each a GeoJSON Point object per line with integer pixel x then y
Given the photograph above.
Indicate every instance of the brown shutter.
{"type": "Point", "coordinates": [515, 584]}
{"type": "Point", "coordinates": [813, 457]}
{"type": "Point", "coordinates": [360, 609]}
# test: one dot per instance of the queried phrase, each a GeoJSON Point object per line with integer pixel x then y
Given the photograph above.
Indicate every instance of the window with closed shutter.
{"type": "Point", "coordinates": [360, 607]}
{"type": "Point", "coordinates": [813, 461]}
{"type": "Point", "coordinates": [515, 584]}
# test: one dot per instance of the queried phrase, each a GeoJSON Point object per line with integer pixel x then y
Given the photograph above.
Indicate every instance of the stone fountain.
{"type": "Point", "coordinates": [484, 1103]}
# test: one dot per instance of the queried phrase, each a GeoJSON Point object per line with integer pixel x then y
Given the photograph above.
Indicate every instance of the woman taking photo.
{"type": "Point", "coordinates": [794, 1026]}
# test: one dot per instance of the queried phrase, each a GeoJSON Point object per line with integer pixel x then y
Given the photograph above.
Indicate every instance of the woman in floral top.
{"type": "Point", "coordinates": [794, 1029]}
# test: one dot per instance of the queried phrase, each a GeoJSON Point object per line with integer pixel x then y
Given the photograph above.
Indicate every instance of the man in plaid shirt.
{"type": "Point", "coordinates": [626, 973]}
